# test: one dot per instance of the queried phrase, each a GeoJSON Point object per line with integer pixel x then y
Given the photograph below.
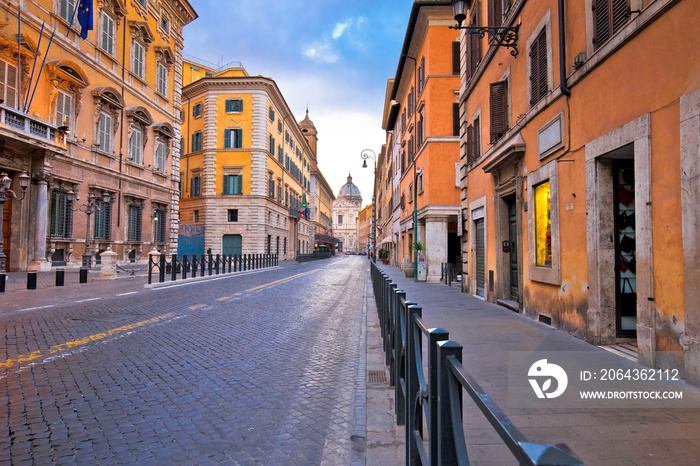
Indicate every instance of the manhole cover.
{"type": "Point", "coordinates": [376, 376]}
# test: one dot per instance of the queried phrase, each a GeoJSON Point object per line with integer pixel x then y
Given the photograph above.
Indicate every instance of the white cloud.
{"type": "Point", "coordinates": [321, 52]}
{"type": "Point", "coordinates": [340, 28]}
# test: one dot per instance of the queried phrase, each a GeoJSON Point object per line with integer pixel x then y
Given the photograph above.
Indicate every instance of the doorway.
{"type": "Point", "coordinates": [480, 258]}
{"type": "Point", "coordinates": [232, 245]}
{"type": "Point", "coordinates": [513, 248]}
{"type": "Point", "coordinates": [625, 249]}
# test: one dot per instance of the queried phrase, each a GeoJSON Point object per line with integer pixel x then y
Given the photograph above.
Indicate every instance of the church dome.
{"type": "Point", "coordinates": [350, 191]}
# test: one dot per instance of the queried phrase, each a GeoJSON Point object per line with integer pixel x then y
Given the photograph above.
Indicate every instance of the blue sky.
{"type": "Point", "coordinates": [334, 56]}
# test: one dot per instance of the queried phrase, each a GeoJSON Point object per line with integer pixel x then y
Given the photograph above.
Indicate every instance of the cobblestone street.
{"type": "Point", "coordinates": [265, 367]}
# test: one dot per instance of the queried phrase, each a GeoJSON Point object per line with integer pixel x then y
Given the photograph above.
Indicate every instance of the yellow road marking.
{"type": "Point", "coordinates": [72, 344]}
{"type": "Point", "coordinates": [222, 299]}
{"type": "Point", "coordinates": [279, 281]}
{"type": "Point", "coordinates": [237, 294]}
{"type": "Point", "coordinates": [196, 306]}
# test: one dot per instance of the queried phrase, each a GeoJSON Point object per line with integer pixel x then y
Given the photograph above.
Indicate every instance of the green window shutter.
{"type": "Point", "coordinates": [227, 139]}
{"type": "Point", "coordinates": [237, 138]}
{"type": "Point", "coordinates": [226, 187]}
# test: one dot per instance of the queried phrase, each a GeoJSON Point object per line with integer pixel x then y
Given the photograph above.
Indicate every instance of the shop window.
{"type": "Point", "coordinates": [543, 225]}
{"type": "Point", "coordinates": [543, 195]}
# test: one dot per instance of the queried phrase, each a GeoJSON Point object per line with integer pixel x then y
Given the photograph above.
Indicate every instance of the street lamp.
{"type": "Point", "coordinates": [5, 194]}
{"type": "Point", "coordinates": [366, 156]}
{"type": "Point", "coordinates": [89, 208]}
{"type": "Point", "coordinates": [503, 36]}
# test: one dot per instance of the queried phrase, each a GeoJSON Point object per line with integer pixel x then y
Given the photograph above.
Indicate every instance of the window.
{"type": "Point", "coordinates": [421, 75]}
{"type": "Point", "coordinates": [499, 110]}
{"type": "Point", "coordinates": [103, 220]}
{"type": "Point", "coordinates": [233, 138]}
{"type": "Point", "coordinates": [538, 68]}
{"type": "Point", "coordinates": [455, 58]}
{"type": "Point", "coordinates": [66, 9]}
{"type": "Point", "coordinates": [162, 80]}
{"type": "Point", "coordinates": [543, 226]}
{"type": "Point", "coordinates": [61, 215]}
{"type": "Point", "coordinates": [195, 186]}
{"type": "Point", "coordinates": [197, 110]}
{"type": "Point", "coordinates": [455, 119]}
{"type": "Point", "coordinates": [135, 147]}
{"type": "Point", "coordinates": [8, 84]}
{"type": "Point", "coordinates": [107, 33]}
{"type": "Point", "coordinates": [609, 16]}
{"type": "Point", "coordinates": [160, 157]}
{"type": "Point", "coordinates": [420, 182]}
{"type": "Point", "coordinates": [340, 219]}
{"type": "Point", "coordinates": [473, 45]}
{"type": "Point", "coordinates": [234, 105]}
{"type": "Point", "coordinates": [138, 57]}
{"type": "Point", "coordinates": [232, 215]}
{"type": "Point", "coordinates": [285, 244]}
{"type": "Point", "coordinates": [64, 109]}
{"type": "Point", "coordinates": [279, 191]}
{"type": "Point", "coordinates": [286, 136]}
{"type": "Point", "coordinates": [159, 226]}
{"type": "Point", "coordinates": [134, 226]}
{"type": "Point", "coordinates": [279, 126]}
{"type": "Point", "coordinates": [104, 132]}
{"type": "Point", "coordinates": [271, 188]}
{"type": "Point", "coordinates": [196, 141]}
{"type": "Point", "coordinates": [410, 193]}
{"type": "Point", "coordinates": [497, 10]}
{"type": "Point", "coordinates": [473, 142]}
{"type": "Point", "coordinates": [233, 185]}
{"type": "Point", "coordinates": [272, 146]}
{"type": "Point", "coordinates": [272, 114]}
{"type": "Point", "coordinates": [164, 23]}
{"type": "Point", "coordinates": [195, 216]}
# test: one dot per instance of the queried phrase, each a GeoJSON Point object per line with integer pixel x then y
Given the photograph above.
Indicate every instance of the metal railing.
{"type": "Point", "coordinates": [313, 257]}
{"type": "Point", "coordinates": [437, 396]}
{"type": "Point", "coordinates": [206, 264]}
{"type": "Point", "coordinates": [448, 273]}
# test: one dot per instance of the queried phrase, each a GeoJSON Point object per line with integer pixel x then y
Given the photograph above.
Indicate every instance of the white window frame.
{"type": "Point", "coordinates": [138, 59]}
{"type": "Point", "coordinates": [104, 132]}
{"type": "Point", "coordinates": [136, 147]}
{"type": "Point", "coordinates": [160, 157]}
{"type": "Point", "coordinates": [550, 274]}
{"type": "Point", "coordinates": [64, 101]}
{"type": "Point", "coordinates": [162, 80]}
{"type": "Point", "coordinates": [107, 33]}
{"type": "Point", "coordinates": [8, 87]}
{"type": "Point", "coordinates": [70, 9]}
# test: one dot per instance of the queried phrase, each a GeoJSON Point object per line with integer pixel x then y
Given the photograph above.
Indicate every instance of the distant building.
{"type": "Point", "coordinates": [346, 209]}
{"type": "Point", "coordinates": [364, 229]}
{"type": "Point", "coordinates": [102, 115]}
{"type": "Point", "coordinates": [246, 164]}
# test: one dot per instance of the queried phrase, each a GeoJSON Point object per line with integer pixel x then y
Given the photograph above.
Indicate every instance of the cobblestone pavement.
{"type": "Point", "coordinates": [259, 368]}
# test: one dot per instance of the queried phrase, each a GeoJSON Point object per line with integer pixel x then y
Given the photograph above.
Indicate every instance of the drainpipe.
{"type": "Point", "coordinates": [562, 50]}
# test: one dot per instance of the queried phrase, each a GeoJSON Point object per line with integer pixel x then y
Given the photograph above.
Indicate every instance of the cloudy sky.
{"type": "Point", "coordinates": [334, 56]}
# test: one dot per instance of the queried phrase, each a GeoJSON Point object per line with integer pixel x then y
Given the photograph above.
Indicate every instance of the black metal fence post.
{"type": "Point", "coordinates": [435, 335]}
{"type": "Point", "coordinates": [218, 259]}
{"type": "Point", "coordinates": [173, 270]}
{"type": "Point", "coordinates": [185, 264]}
{"type": "Point", "coordinates": [447, 447]}
{"type": "Point", "coordinates": [161, 271]}
{"type": "Point", "coordinates": [150, 268]}
{"type": "Point", "coordinates": [414, 414]}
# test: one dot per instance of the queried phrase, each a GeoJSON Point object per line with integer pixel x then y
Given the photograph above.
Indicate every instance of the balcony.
{"type": "Point", "coordinates": [29, 129]}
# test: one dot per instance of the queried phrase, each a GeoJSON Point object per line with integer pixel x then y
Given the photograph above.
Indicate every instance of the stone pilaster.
{"type": "Point", "coordinates": [436, 246]}
{"type": "Point", "coordinates": [40, 198]}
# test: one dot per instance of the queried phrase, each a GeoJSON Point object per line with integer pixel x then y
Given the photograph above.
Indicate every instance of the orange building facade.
{"type": "Point", "coordinates": [423, 139]}
{"type": "Point", "coordinates": [579, 156]}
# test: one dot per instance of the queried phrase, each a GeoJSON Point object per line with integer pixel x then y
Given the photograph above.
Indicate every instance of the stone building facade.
{"type": "Point", "coordinates": [346, 210]}
{"type": "Point", "coordinates": [101, 115]}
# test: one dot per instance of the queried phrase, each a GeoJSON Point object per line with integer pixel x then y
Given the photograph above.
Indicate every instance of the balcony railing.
{"type": "Point", "coordinates": [27, 124]}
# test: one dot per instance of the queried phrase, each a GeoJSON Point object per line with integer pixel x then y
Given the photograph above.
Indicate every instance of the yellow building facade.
{"type": "Point", "coordinates": [85, 117]}
{"type": "Point", "coordinates": [246, 165]}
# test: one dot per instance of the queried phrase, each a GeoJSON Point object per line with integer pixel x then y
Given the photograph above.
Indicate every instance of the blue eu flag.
{"type": "Point", "coordinates": [85, 17]}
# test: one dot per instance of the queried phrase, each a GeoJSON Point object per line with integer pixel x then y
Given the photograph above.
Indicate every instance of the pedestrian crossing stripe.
{"type": "Point", "coordinates": [83, 341]}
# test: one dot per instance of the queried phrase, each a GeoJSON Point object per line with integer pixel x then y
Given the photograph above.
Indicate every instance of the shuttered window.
{"type": "Point", "coordinates": [64, 110]}
{"type": "Point", "coordinates": [196, 141]}
{"type": "Point", "coordinates": [538, 68]}
{"type": "Point", "coordinates": [195, 186]}
{"type": "Point", "coordinates": [103, 220]}
{"type": "Point", "coordinates": [159, 226]}
{"type": "Point", "coordinates": [233, 185]}
{"type": "Point", "coordinates": [473, 45]}
{"type": "Point", "coordinates": [134, 226]}
{"type": "Point", "coordinates": [197, 110]}
{"type": "Point", "coordinates": [235, 105]}
{"type": "Point", "coordinates": [135, 147]}
{"type": "Point", "coordinates": [499, 110]}
{"type": "Point", "coordinates": [495, 13]}
{"type": "Point", "coordinates": [65, 9]}
{"type": "Point", "coordinates": [160, 157]}
{"type": "Point", "coordinates": [162, 84]}
{"type": "Point", "coordinates": [455, 57]}
{"type": "Point", "coordinates": [138, 60]}
{"type": "Point", "coordinates": [107, 34]}
{"type": "Point", "coordinates": [8, 84]}
{"type": "Point", "coordinates": [233, 138]}
{"type": "Point", "coordinates": [104, 132]}
{"type": "Point", "coordinates": [455, 119]}
{"type": "Point", "coordinates": [61, 215]}
{"type": "Point", "coordinates": [609, 16]}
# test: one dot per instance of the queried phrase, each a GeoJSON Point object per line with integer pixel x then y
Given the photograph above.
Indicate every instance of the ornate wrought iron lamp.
{"type": "Point", "coordinates": [89, 208]}
{"type": "Point", "coordinates": [5, 194]}
{"type": "Point", "coordinates": [366, 156]}
{"type": "Point", "coordinates": [503, 36]}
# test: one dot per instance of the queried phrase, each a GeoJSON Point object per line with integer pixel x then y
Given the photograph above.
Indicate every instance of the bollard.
{"type": "Point", "coordinates": [83, 274]}
{"type": "Point", "coordinates": [2, 282]}
{"type": "Point", "coordinates": [31, 280]}
{"type": "Point", "coordinates": [216, 265]}
{"type": "Point", "coordinates": [60, 277]}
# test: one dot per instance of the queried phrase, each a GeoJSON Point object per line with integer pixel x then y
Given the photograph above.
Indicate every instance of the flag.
{"type": "Point", "coordinates": [85, 17]}
{"type": "Point", "coordinates": [303, 210]}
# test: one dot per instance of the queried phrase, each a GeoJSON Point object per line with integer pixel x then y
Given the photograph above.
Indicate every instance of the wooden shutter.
{"type": "Point", "coordinates": [226, 187]}
{"type": "Point", "coordinates": [620, 12]}
{"type": "Point", "coordinates": [455, 119]}
{"type": "Point", "coordinates": [470, 144]}
{"type": "Point", "coordinates": [538, 68]}
{"type": "Point", "coordinates": [609, 17]}
{"type": "Point", "coordinates": [495, 13]}
{"type": "Point", "coordinates": [499, 110]}
{"type": "Point", "coordinates": [455, 57]}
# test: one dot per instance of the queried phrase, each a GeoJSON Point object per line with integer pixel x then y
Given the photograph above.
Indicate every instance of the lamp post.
{"type": "Point", "coordinates": [5, 194]}
{"type": "Point", "coordinates": [366, 156]}
{"type": "Point", "coordinates": [89, 208]}
{"type": "Point", "coordinates": [503, 36]}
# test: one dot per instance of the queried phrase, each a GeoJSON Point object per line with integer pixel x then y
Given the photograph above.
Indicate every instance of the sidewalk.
{"type": "Point", "coordinates": [598, 436]}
